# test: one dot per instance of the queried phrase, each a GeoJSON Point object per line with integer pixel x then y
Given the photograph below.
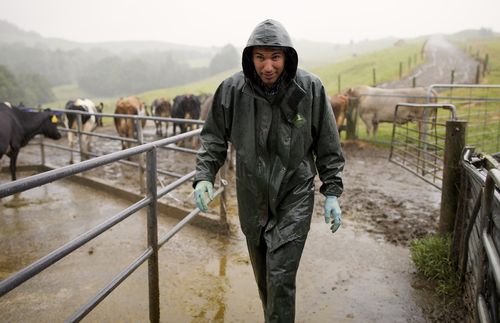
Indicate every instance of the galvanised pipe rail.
{"type": "Point", "coordinates": [492, 181]}
{"type": "Point", "coordinates": [28, 272]}
{"type": "Point", "coordinates": [133, 116]}
{"type": "Point", "coordinates": [52, 175]}
{"type": "Point", "coordinates": [150, 254]}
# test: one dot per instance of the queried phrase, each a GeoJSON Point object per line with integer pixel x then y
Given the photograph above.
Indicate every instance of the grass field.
{"type": "Point", "coordinates": [354, 71]}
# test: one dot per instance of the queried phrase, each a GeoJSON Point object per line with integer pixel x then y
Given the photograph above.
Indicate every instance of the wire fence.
{"type": "Point", "coordinates": [479, 105]}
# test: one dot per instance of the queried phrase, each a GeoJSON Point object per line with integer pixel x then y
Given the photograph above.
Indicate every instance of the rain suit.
{"type": "Point", "coordinates": [281, 140]}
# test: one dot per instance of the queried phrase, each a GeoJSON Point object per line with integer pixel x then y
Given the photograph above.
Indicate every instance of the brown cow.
{"type": "Point", "coordinates": [339, 104]}
{"type": "Point", "coordinates": [126, 127]}
{"type": "Point", "coordinates": [161, 107]}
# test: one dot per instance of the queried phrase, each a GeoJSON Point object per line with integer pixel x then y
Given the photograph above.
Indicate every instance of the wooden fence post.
{"type": "Point", "coordinates": [452, 76]}
{"type": "Point", "coordinates": [374, 73]}
{"type": "Point", "coordinates": [478, 73]}
{"type": "Point", "coordinates": [454, 144]}
{"type": "Point", "coordinates": [485, 64]}
{"type": "Point", "coordinates": [400, 70]}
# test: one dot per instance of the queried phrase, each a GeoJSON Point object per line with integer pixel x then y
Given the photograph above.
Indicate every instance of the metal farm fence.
{"type": "Point", "coordinates": [150, 201]}
{"type": "Point", "coordinates": [148, 169]}
{"type": "Point", "coordinates": [138, 139]}
{"type": "Point", "coordinates": [479, 105]}
{"type": "Point", "coordinates": [420, 145]}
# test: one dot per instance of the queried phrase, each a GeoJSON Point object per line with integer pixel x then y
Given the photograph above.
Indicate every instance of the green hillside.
{"type": "Point", "coordinates": [487, 51]}
{"type": "Point", "coordinates": [359, 70]}
{"type": "Point", "coordinates": [354, 71]}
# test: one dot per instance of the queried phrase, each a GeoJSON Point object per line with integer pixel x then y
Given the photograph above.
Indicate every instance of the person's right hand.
{"type": "Point", "coordinates": [203, 194]}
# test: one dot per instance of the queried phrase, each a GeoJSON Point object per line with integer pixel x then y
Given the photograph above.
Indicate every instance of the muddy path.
{"type": "Point", "coordinates": [442, 58]}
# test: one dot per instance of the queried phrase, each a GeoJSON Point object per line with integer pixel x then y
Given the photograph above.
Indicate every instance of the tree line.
{"type": "Point", "coordinates": [29, 89]}
{"type": "Point", "coordinates": [28, 72]}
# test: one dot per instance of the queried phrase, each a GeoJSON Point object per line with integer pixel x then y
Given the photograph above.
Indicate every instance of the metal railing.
{"type": "Point", "coordinates": [149, 201]}
{"type": "Point", "coordinates": [419, 146]}
{"type": "Point", "coordinates": [475, 248]}
{"type": "Point", "coordinates": [138, 139]}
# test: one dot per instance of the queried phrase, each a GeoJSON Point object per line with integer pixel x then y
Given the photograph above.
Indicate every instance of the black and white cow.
{"type": "Point", "coordinates": [18, 127]}
{"type": "Point", "coordinates": [89, 123]}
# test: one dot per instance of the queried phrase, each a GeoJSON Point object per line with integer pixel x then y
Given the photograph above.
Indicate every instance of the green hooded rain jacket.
{"type": "Point", "coordinates": [281, 143]}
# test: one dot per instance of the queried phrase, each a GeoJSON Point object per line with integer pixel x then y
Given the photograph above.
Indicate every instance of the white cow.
{"type": "Point", "coordinates": [89, 123]}
{"type": "Point", "coordinates": [375, 105]}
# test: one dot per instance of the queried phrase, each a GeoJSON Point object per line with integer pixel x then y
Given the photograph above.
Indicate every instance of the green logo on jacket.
{"type": "Point", "coordinates": [299, 120]}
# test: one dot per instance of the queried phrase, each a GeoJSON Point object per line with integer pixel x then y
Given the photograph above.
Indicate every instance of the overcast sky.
{"type": "Point", "coordinates": [219, 22]}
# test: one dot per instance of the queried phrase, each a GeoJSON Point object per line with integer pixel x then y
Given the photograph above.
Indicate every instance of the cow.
{"type": "Point", "coordinates": [339, 103]}
{"type": "Point", "coordinates": [18, 127]}
{"type": "Point", "coordinates": [376, 105]}
{"type": "Point", "coordinates": [205, 108]}
{"type": "Point", "coordinates": [126, 127]}
{"type": "Point", "coordinates": [98, 118]}
{"type": "Point", "coordinates": [161, 107]}
{"type": "Point", "coordinates": [185, 107]}
{"type": "Point", "coordinates": [88, 123]}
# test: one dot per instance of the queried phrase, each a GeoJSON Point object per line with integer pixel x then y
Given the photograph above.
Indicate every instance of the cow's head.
{"type": "Point", "coordinates": [51, 121]}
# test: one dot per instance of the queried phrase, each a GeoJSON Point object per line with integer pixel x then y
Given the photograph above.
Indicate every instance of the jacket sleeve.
{"type": "Point", "coordinates": [327, 150]}
{"type": "Point", "coordinates": [212, 153]}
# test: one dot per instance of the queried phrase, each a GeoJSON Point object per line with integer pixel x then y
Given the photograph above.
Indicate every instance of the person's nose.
{"type": "Point", "coordinates": [268, 65]}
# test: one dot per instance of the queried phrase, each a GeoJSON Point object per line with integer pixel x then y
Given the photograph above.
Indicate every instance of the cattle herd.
{"type": "Point", "coordinates": [19, 124]}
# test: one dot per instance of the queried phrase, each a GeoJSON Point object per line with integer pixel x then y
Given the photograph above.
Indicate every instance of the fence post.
{"type": "Point", "coordinates": [223, 196]}
{"type": "Point", "coordinates": [374, 73]}
{"type": "Point", "coordinates": [42, 151]}
{"type": "Point", "coordinates": [400, 70]}
{"type": "Point", "coordinates": [454, 144]}
{"type": "Point", "coordinates": [339, 83]}
{"type": "Point", "coordinates": [452, 77]}
{"type": "Point", "coordinates": [485, 65]}
{"type": "Point", "coordinates": [79, 125]}
{"type": "Point", "coordinates": [153, 272]}
{"type": "Point", "coordinates": [140, 141]}
{"type": "Point", "coordinates": [478, 73]}
{"type": "Point", "coordinates": [414, 82]}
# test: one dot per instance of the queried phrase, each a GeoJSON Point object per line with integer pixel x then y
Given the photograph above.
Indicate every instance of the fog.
{"type": "Point", "coordinates": [219, 22]}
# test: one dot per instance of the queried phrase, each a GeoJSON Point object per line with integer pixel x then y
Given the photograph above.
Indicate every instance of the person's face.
{"type": "Point", "coordinates": [269, 63]}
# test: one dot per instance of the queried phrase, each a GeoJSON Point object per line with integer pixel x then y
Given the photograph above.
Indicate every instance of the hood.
{"type": "Point", "coordinates": [270, 33]}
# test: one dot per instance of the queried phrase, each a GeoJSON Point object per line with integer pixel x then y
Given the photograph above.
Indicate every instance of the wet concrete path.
{"type": "Point", "coordinates": [347, 277]}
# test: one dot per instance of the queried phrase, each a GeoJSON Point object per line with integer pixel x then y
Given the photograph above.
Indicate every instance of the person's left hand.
{"type": "Point", "coordinates": [333, 212]}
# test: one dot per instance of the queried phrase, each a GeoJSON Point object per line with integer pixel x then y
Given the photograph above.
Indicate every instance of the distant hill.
{"type": "Point", "coordinates": [473, 34]}
{"type": "Point", "coordinates": [10, 33]}
{"type": "Point", "coordinates": [311, 53]}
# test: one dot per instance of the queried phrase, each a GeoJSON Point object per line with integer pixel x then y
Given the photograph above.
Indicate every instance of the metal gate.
{"type": "Point", "coordinates": [419, 145]}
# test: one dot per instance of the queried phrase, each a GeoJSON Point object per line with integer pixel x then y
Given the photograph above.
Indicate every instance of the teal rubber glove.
{"type": "Point", "coordinates": [203, 194]}
{"type": "Point", "coordinates": [333, 212]}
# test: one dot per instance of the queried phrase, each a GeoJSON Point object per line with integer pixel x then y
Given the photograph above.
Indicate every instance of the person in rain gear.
{"type": "Point", "coordinates": [279, 120]}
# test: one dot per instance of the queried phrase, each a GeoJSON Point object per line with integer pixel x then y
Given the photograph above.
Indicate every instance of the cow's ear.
{"type": "Point", "coordinates": [54, 119]}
